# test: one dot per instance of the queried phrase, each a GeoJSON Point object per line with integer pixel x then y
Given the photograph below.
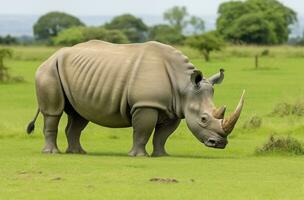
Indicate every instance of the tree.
{"type": "Point", "coordinates": [76, 35]}
{"type": "Point", "coordinates": [267, 21]}
{"type": "Point", "coordinates": [165, 34]}
{"type": "Point", "coordinates": [176, 16]}
{"type": "Point", "coordinates": [8, 40]}
{"type": "Point", "coordinates": [4, 76]}
{"type": "Point", "coordinates": [253, 29]}
{"type": "Point", "coordinates": [134, 28]}
{"type": "Point", "coordinates": [50, 24]}
{"type": "Point", "coordinates": [206, 43]}
{"type": "Point", "coordinates": [198, 24]}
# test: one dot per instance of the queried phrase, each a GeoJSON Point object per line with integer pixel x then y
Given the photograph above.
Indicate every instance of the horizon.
{"type": "Point", "coordinates": [18, 21]}
{"type": "Point", "coordinates": [117, 7]}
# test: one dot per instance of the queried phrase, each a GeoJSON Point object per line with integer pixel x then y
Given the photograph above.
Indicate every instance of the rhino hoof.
{"type": "Point", "coordinates": [76, 151]}
{"type": "Point", "coordinates": [50, 150]}
{"type": "Point", "coordinates": [134, 153]}
{"type": "Point", "coordinates": [159, 154]}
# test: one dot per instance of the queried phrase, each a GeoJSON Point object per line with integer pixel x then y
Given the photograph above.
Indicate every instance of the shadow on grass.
{"type": "Point", "coordinates": [105, 154]}
{"type": "Point", "coordinates": [207, 157]}
{"type": "Point", "coordinates": [118, 154]}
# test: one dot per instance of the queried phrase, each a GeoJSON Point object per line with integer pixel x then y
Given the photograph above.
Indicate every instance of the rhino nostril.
{"type": "Point", "coordinates": [212, 141]}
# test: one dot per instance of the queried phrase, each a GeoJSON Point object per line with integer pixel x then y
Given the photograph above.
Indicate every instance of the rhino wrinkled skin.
{"type": "Point", "coordinates": [149, 86]}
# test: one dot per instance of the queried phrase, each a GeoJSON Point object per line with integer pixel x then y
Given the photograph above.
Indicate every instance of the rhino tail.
{"type": "Point", "coordinates": [31, 126]}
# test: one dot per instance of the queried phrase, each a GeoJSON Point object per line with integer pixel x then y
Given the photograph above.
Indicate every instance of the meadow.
{"type": "Point", "coordinates": [106, 172]}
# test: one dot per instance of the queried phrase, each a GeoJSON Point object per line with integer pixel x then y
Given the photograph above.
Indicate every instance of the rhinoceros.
{"type": "Point", "coordinates": [148, 86]}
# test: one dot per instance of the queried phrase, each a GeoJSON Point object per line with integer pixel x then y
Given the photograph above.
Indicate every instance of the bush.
{"type": "Point", "coordinates": [281, 145]}
{"type": "Point", "coordinates": [76, 35]}
{"type": "Point", "coordinates": [286, 109]}
{"type": "Point", "coordinates": [253, 122]}
{"type": "Point", "coordinates": [4, 76]}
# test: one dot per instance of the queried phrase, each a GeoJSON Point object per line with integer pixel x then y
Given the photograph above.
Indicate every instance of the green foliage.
{"type": "Point", "coordinates": [255, 21]}
{"type": "Point", "coordinates": [197, 24]}
{"type": "Point", "coordinates": [176, 16]}
{"type": "Point", "coordinates": [8, 40]}
{"type": "Point", "coordinates": [50, 24]}
{"type": "Point", "coordinates": [206, 43]}
{"type": "Point", "coordinates": [134, 28]}
{"type": "Point", "coordinates": [76, 35]}
{"type": "Point", "coordinates": [252, 28]}
{"type": "Point", "coordinates": [165, 34]}
{"type": "Point", "coordinates": [4, 75]}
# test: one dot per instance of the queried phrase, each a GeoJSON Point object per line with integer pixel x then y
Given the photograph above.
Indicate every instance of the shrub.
{"type": "Point", "coordinates": [253, 122]}
{"type": "Point", "coordinates": [281, 145]}
{"type": "Point", "coordinates": [76, 35]}
{"type": "Point", "coordinates": [4, 76]}
{"type": "Point", "coordinates": [286, 109]}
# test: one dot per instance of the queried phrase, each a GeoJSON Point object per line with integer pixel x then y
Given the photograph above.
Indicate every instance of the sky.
{"type": "Point", "coordinates": [116, 7]}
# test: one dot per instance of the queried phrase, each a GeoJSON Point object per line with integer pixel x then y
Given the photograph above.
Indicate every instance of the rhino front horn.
{"type": "Point", "coordinates": [229, 123]}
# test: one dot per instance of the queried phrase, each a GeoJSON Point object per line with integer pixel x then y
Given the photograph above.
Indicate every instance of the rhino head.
{"type": "Point", "coordinates": [205, 121]}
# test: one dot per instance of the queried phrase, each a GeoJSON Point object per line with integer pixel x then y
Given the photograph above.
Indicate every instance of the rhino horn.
{"type": "Point", "coordinates": [219, 113]}
{"type": "Point", "coordinates": [229, 123]}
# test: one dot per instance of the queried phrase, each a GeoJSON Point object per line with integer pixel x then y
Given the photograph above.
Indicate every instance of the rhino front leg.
{"type": "Point", "coordinates": [50, 133]}
{"type": "Point", "coordinates": [75, 125]}
{"type": "Point", "coordinates": [162, 132]}
{"type": "Point", "coordinates": [143, 122]}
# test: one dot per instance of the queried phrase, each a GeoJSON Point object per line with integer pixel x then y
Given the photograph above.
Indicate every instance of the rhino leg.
{"type": "Point", "coordinates": [162, 132]}
{"type": "Point", "coordinates": [50, 133]}
{"type": "Point", "coordinates": [75, 125]}
{"type": "Point", "coordinates": [143, 122]}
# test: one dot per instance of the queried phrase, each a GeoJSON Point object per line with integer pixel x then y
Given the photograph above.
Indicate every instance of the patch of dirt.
{"type": "Point", "coordinates": [56, 179]}
{"type": "Point", "coordinates": [164, 180]}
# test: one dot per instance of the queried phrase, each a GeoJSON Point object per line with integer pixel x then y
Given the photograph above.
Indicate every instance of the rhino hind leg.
{"type": "Point", "coordinates": [50, 133]}
{"type": "Point", "coordinates": [73, 130]}
{"type": "Point", "coordinates": [143, 122]}
{"type": "Point", "coordinates": [162, 132]}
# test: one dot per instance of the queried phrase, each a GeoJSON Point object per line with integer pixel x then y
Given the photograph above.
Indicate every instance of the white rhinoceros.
{"type": "Point", "coordinates": [147, 86]}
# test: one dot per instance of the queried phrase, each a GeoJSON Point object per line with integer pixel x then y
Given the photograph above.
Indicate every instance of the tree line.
{"type": "Point", "coordinates": [265, 22]}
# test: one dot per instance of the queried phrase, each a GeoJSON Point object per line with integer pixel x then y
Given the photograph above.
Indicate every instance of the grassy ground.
{"type": "Point", "coordinates": [202, 173]}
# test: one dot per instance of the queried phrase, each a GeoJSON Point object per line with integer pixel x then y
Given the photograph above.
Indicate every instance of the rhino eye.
{"type": "Point", "coordinates": [204, 119]}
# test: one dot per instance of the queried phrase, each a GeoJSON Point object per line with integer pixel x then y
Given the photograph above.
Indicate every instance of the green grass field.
{"type": "Point", "coordinates": [106, 172]}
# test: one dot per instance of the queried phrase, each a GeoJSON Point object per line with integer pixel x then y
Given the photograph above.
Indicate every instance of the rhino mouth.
{"type": "Point", "coordinates": [218, 143]}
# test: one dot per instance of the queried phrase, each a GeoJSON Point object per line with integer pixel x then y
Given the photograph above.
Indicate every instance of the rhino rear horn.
{"type": "Point", "coordinates": [219, 113]}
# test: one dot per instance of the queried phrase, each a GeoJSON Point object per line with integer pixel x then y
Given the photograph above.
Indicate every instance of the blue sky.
{"type": "Point", "coordinates": [115, 7]}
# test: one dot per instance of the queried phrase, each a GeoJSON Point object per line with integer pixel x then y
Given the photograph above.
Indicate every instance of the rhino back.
{"type": "Point", "coordinates": [106, 82]}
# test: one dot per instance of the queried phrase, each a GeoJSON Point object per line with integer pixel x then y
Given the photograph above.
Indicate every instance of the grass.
{"type": "Point", "coordinates": [106, 172]}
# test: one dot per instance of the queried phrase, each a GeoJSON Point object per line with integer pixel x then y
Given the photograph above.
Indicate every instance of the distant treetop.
{"type": "Point", "coordinates": [50, 24]}
{"type": "Point", "coordinates": [255, 21]}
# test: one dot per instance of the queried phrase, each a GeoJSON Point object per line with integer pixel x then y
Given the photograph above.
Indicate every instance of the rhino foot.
{"type": "Point", "coordinates": [159, 153]}
{"type": "Point", "coordinates": [51, 150]}
{"type": "Point", "coordinates": [138, 152]}
{"type": "Point", "coordinates": [78, 150]}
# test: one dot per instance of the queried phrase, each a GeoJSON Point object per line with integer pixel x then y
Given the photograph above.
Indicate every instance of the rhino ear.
{"type": "Point", "coordinates": [217, 78]}
{"type": "Point", "coordinates": [196, 78]}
